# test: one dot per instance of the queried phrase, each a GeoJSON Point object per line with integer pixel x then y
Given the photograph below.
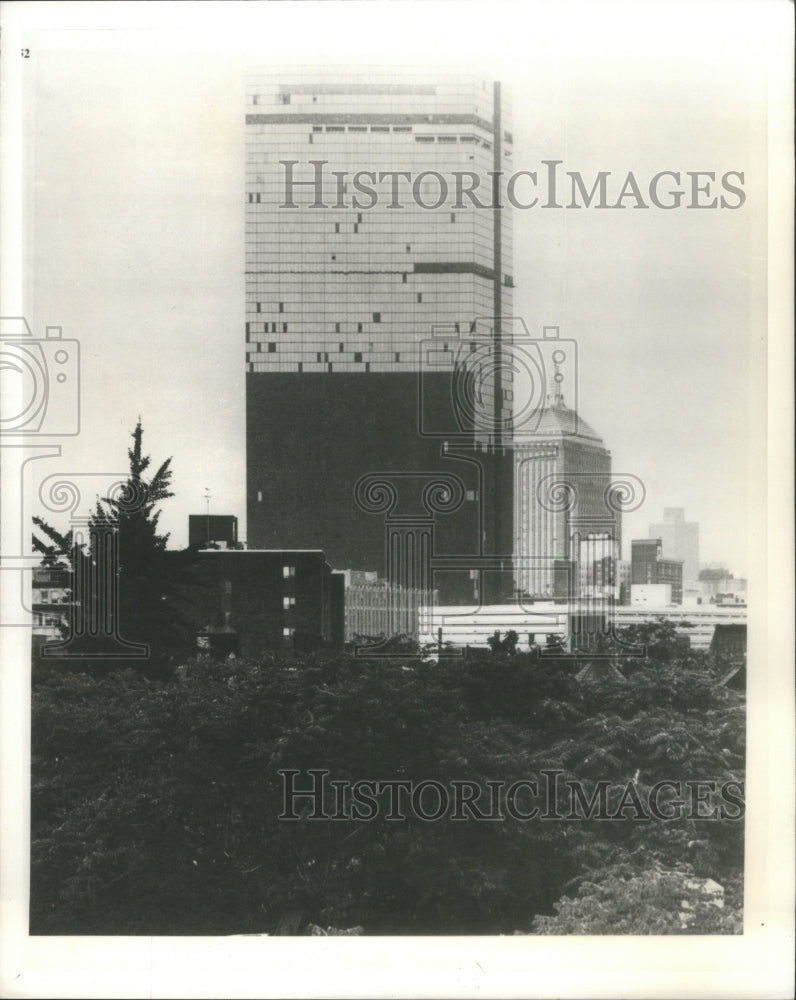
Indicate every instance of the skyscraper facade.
{"type": "Point", "coordinates": [680, 540]}
{"type": "Point", "coordinates": [568, 535]}
{"type": "Point", "coordinates": [369, 272]}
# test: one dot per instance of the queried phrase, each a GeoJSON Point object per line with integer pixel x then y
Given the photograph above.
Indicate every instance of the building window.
{"type": "Point", "coordinates": [419, 296]}
{"type": "Point", "coordinates": [258, 306]}
{"type": "Point", "coordinates": [284, 328]}
{"type": "Point", "coordinates": [453, 216]}
{"type": "Point", "coordinates": [397, 355]}
{"type": "Point", "coordinates": [288, 632]}
{"type": "Point", "coordinates": [339, 346]}
{"type": "Point", "coordinates": [359, 328]}
{"type": "Point", "coordinates": [359, 217]}
{"type": "Point", "coordinates": [271, 347]}
{"type": "Point", "coordinates": [288, 572]}
{"type": "Point", "coordinates": [286, 98]}
{"type": "Point", "coordinates": [358, 356]}
{"type": "Point", "coordinates": [259, 496]}
{"type": "Point", "coordinates": [471, 495]}
{"type": "Point", "coordinates": [337, 227]}
{"type": "Point", "coordinates": [377, 317]}
{"type": "Point", "coordinates": [403, 278]}
{"type": "Point", "coordinates": [337, 330]}
{"type": "Point", "coordinates": [408, 248]}
{"type": "Point", "coordinates": [227, 587]}
{"type": "Point", "coordinates": [334, 256]}
{"type": "Point", "coordinates": [356, 227]}
{"type": "Point", "coordinates": [288, 603]}
{"type": "Point", "coordinates": [281, 307]}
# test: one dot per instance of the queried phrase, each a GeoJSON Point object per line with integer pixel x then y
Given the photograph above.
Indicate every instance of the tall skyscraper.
{"type": "Point", "coordinates": [367, 266]}
{"type": "Point", "coordinates": [568, 536]}
{"type": "Point", "coordinates": [680, 540]}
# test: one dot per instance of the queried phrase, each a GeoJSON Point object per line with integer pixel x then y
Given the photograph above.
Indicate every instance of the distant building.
{"type": "Point", "coordinates": [653, 595]}
{"type": "Point", "coordinates": [535, 623]}
{"type": "Point", "coordinates": [649, 567]}
{"type": "Point", "coordinates": [680, 540]}
{"type": "Point", "coordinates": [555, 535]}
{"type": "Point", "coordinates": [51, 596]}
{"type": "Point", "coordinates": [206, 531]}
{"type": "Point", "coordinates": [623, 575]}
{"type": "Point", "coordinates": [377, 609]}
{"type": "Point", "coordinates": [721, 587]}
{"type": "Point", "coordinates": [249, 601]}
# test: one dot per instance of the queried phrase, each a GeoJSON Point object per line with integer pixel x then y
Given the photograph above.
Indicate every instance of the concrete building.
{"type": "Point", "coordinates": [654, 595]}
{"type": "Point", "coordinates": [359, 314]}
{"type": "Point", "coordinates": [212, 531]}
{"type": "Point", "coordinates": [250, 601]}
{"type": "Point", "coordinates": [51, 593]}
{"type": "Point", "coordinates": [534, 623]}
{"type": "Point", "coordinates": [378, 610]}
{"type": "Point", "coordinates": [649, 567]}
{"type": "Point", "coordinates": [680, 540]}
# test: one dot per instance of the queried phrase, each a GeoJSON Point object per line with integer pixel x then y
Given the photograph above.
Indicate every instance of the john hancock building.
{"type": "Point", "coordinates": [380, 392]}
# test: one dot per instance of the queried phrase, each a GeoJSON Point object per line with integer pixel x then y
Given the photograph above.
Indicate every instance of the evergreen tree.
{"type": "Point", "coordinates": [128, 592]}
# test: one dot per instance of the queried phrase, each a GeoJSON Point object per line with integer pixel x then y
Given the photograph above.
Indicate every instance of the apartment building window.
{"type": "Point", "coordinates": [272, 347]}
{"type": "Point", "coordinates": [377, 317]}
{"type": "Point", "coordinates": [288, 632]}
{"type": "Point", "coordinates": [288, 603]}
{"type": "Point", "coordinates": [358, 356]}
{"type": "Point", "coordinates": [288, 572]}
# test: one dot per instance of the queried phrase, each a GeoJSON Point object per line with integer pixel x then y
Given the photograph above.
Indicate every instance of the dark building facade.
{"type": "Point", "coordinates": [206, 530]}
{"type": "Point", "coordinates": [649, 567]}
{"type": "Point", "coordinates": [250, 601]}
{"type": "Point", "coordinates": [359, 322]}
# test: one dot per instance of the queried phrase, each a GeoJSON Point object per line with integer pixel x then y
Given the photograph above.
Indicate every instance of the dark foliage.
{"type": "Point", "coordinates": [156, 804]}
{"type": "Point", "coordinates": [139, 616]}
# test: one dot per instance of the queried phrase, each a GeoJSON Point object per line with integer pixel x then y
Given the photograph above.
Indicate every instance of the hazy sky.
{"type": "Point", "coordinates": [135, 228]}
